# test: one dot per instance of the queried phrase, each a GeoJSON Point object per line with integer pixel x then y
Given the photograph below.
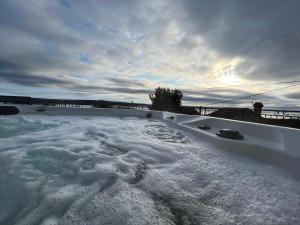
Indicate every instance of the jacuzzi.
{"type": "Point", "coordinates": [123, 166]}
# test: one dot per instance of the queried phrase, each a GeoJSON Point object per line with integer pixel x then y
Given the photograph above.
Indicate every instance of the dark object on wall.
{"type": "Point", "coordinates": [258, 108]}
{"type": "Point", "coordinates": [40, 110]}
{"type": "Point", "coordinates": [204, 127]}
{"type": "Point", "coordinates": [230, 134]}
{"type": "Point", "coordinates": [8, 110]}
{"type": "Point", "coordinates": [149, 115]}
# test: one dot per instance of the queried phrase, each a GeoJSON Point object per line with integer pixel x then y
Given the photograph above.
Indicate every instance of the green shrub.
{"type": "Point", "coordinates": [166, 99]}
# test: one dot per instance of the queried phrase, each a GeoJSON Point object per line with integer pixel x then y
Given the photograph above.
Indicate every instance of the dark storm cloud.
{"type": "Point", "coordinates": [126, 82]}
{"type": "Point", "coordinates": [188, 98]}
{"type": "Point", "coordinates": [295, 95]}
{"type": "Point", "coordinates": [96, 89]}
{"type": "Point", "coordinates": [126, 90]}
{"type": "Point", "coordinates": [16, 73]}
{"type": "Point", "coordinates": [211, 96]}
{"type": "Point", "coordinates": [35, 58]}
{"type": "Point", "coordinates": [219, 95]}
{"type": "Point", "coordinates": [22, 78]}
{"type": "Point", "coordinates": [216, 92]}
{"type": "Point", "coordinates": [43, 81]}
{"type": "Point", "coordinates": [26, 18]}
{"type": "Point", "coordinates": [264, 32]}
{"type": "Point", "coordinates": [11, 66]}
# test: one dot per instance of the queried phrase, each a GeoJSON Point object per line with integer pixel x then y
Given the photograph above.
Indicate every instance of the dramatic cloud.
{"type": "Point", "coordinates": [264, 34]}
{"type": "Point", "coordinates": [295, 95]}
{"type": "Point", "coordinates": [124, 49]}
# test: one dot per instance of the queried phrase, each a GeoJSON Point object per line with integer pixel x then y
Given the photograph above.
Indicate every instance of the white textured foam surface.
{"type": "Point", "coordinates": [102, 170]}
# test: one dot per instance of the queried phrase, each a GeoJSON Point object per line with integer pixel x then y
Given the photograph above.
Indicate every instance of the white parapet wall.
{"type": "Point", "coordinates": [61, 111]}
{"type": "Point", "coordinates": [258, 137]}
{"type": "Point", "coordinates": [281, 139]}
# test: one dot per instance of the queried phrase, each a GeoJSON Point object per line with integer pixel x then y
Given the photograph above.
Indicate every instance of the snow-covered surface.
{"type": "Point", "coordinates": [129, 170]}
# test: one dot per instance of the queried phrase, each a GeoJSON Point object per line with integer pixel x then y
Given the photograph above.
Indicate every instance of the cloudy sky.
{"type": "Point", "coordinates": [212, 50]}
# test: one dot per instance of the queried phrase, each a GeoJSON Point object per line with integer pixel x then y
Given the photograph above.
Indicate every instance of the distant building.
{"type": "Point", "coordinates": [258, 108]}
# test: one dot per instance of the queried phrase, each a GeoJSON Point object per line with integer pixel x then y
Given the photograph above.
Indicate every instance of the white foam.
{"type": "Point", "coordinates": [102, 170]}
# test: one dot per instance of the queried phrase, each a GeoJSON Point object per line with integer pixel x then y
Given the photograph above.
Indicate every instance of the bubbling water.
{"type": "Point", "coordinates": [103, 170]}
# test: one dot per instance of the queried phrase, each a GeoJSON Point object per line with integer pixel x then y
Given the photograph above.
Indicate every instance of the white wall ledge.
{"type": "Point", "coordinates": [256, 136]}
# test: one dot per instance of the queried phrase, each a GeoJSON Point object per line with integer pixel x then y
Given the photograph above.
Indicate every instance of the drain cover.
{"type": "Point", "coordinates": [230, 134]}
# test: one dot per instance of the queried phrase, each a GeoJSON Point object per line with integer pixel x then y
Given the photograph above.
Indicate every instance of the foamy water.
{"type": "Point", "coordinates": [102, 170]}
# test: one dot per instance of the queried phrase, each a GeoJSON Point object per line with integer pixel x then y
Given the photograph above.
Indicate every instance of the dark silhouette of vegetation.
{"type": "Point", "coordinates": [166, 99]}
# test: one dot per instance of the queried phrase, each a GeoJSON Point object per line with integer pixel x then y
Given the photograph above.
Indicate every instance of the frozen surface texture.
{"type": "Point", "coordinates": [102, 170]}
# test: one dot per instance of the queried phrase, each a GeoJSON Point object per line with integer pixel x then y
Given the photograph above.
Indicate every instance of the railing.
{"type": "Point", "coordinates": [64, 103]}
{"type": "Point", "coordinates": [282, 117]}
{"type": "Point", "coordinates": [267, 113]}
{"type": "Point", "coordinates": [281, 114]}
{"type": "Point", "coordinates": [205, 111]}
